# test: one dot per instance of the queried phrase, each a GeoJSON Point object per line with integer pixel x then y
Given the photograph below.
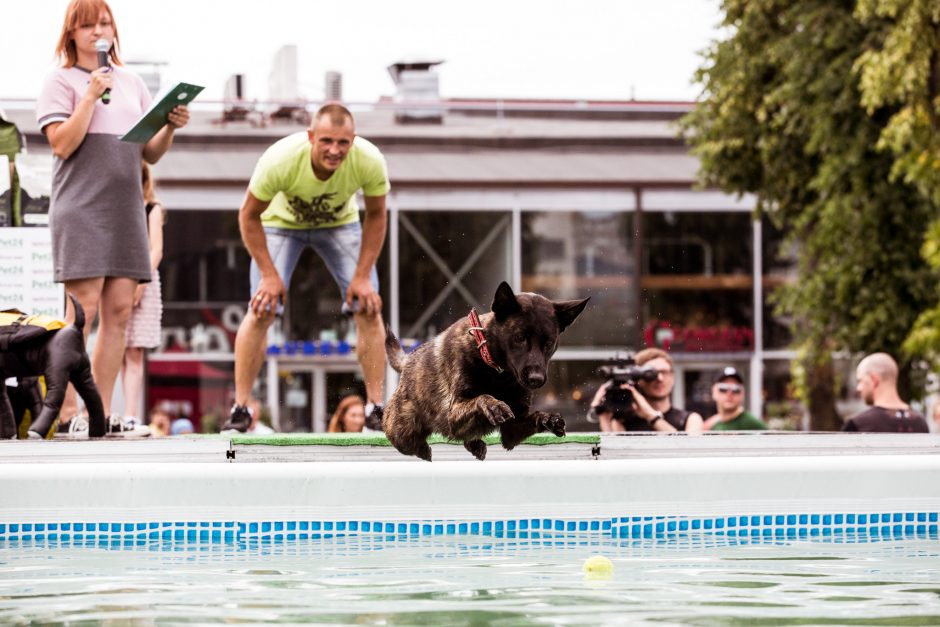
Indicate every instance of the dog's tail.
{"type": "Point", "coordinates": [79, 314]}
{"type": "Point", "coordinates": [396, 356]}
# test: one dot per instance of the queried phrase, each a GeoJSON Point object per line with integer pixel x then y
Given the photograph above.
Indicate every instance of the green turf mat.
{"type": "Point", "coordinates": [379, 439]}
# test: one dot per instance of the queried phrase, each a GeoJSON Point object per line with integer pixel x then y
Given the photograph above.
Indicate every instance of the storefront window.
{"type": "Point", "coordinates": [205, 281]}
{"type": "Point", "coordinates": [697, 281]}
{"type": "Point", "coordinates": [569, 255]}
{"type": "Point", "coordinates": [779, 264]}
{"type": "Point", "coordinates": [448, 262]}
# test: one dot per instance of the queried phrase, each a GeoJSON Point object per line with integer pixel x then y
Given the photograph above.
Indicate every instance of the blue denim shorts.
{"type": "Point", "coordinates": [338, 247]}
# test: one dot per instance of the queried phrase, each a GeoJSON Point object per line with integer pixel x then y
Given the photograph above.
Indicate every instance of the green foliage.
{"type": "Point", "coordinates": [901, 69]}
{"type": "Point", "coordinates": [782, 116]}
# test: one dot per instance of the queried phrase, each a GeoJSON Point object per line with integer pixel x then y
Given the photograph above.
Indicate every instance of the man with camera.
{"type": "Point", "coordinates": [637, 396]}
{"type": "Point", "coordinates": [728, 394]}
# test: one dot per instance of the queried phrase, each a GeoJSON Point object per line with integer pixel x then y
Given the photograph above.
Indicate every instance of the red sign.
{"type": "Point", "coordinates": [663, 334]}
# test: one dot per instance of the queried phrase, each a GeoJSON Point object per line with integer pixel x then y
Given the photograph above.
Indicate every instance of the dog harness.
{"type": "Point", "coordinates": [476, 331]}
{"type": "Point", "coordinates": [17, 327]}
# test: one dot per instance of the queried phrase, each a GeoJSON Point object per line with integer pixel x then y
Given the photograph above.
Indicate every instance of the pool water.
{"type": "Point", "coordinates": [475, 580]}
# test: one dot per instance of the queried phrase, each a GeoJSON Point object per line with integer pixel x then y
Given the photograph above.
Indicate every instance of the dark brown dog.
{"type": "Point", "coordinates": [453, 387]}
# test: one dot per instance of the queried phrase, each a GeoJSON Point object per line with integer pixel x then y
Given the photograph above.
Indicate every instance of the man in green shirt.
{"type": "Point", "coordinates": [302, 195]}
{"type": "Point", "coordinates": [728, 394]}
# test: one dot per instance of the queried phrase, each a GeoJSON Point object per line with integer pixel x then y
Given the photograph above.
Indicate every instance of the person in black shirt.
{"type": "Point", "coordinates": [651, 409]}
{"type": "Point", "coordinates": [877, 377]}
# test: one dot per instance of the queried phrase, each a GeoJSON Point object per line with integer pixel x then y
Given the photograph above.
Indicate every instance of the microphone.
{"type": "Point", "coordinates": [103, 46]}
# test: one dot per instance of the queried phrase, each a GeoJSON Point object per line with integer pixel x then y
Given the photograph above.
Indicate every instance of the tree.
{"type": "Point", "coordinates": [903, 71]}
{"type": "Point", "coordinates": [782, 117]}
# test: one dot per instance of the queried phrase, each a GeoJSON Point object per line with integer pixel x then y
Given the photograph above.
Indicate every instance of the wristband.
{"type": "Point", "coordinates": [658, 416]}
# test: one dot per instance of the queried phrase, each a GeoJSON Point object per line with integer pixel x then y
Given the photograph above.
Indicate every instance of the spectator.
{"type": "Point", "coordinates": [99, 235]}
{"type": "Point", "coordinates": [651, 408]}
{"type": "Point", "coordinates": [935, 415]}
{"type": "Point", "coordinates": [143, 328]}
{"type": "Point", "coordinates": [877, 376]}
{"type": "Point", "coordinates": [728, 394]}
{"type": "Point", "coordinates": [160, 422]}
{"type": "Point", "coordinates": [182, 426]}
{"type": "Point", "coordinates": [349, 417]}
{"type": "Point", "coordinates": [302, 195]}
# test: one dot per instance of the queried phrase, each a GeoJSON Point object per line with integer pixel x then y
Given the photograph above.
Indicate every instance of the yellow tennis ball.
{"type": "Point", "coordinates": [598, 565]}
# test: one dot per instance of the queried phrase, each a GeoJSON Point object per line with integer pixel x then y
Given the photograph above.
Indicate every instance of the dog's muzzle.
{"type": "Point", "coordinates": [533, 379]}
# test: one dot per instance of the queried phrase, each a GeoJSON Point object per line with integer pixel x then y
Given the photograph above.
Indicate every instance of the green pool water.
{"type": "Point", "coordinates": [473, 580]}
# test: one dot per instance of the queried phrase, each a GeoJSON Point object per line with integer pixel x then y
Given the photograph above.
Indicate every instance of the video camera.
{"type": "Point", "coordinates": [619, 370]}
{"type": "Point", "coordinates": [623, 369]}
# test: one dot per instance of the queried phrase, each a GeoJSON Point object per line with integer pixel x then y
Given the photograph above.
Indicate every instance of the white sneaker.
{"type": "Point", "coordinates": [78, 426]}
{"type": "Point", "coordinates": [75, 429]}
{"type": "Point", "coordinates": [119, 426]}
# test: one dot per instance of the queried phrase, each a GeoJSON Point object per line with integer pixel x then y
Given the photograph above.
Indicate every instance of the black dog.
{"type": "Point", "coordinates": [478, 375]}
{"type": "Point", "coordinates": [59, 355]}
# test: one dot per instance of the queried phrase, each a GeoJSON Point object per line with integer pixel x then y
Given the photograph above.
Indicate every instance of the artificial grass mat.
{"type": "Point", "coordinates": [379, 439]}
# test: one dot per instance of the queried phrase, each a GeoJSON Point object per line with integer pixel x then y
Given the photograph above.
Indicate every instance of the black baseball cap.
{"type": "Point", "coordinates": [729, 372]}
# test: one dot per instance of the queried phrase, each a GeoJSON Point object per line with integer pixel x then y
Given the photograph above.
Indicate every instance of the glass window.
{"type": "Point", "coordinates": [697, 285]}
{"type": "Point", "coordinates": [204, 276]}
{"type": "Point", "coordinates": [204, 259]}
{"type": "Point", "coordinates": [449, 261]}
{"type": "Point", "coordinates": [576, 254]}
{"type": "Point", "coordinates": [779, 265]}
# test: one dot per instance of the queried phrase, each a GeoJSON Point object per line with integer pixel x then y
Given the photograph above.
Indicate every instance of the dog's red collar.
{"type": "Point", "coordinates": [476, 330]}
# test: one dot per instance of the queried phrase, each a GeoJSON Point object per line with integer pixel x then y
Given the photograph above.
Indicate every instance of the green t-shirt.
{"type": "Point", "coordinates": [746, 421]}
{"type": "Point", "coordinates": [299, 200]}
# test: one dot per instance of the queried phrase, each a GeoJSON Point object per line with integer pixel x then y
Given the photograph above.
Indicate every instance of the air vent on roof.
{"type": "Point", "coordinates": [236, 109]}
{"type": "Point", "coordinates": [417, 94]}
{"type": "Point", "coordinates": [333, 87]}
{"type": "Point", "coordinates": [150, 72]}
{"type": "Point", "coordinates": [283, 87]}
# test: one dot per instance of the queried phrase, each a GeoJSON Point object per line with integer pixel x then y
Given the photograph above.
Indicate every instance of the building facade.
{"type": "Point", "coordinates": [568, 199]}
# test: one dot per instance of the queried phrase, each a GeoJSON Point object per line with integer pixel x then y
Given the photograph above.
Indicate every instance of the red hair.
{"type": "Point", "coordinates": [84, 12]}
{"type": "Point", "coordinates": [338, 421]}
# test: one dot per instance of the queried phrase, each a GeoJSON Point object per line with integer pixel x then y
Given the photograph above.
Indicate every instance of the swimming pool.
{"type": "Point", "coordinates": [700, 531]}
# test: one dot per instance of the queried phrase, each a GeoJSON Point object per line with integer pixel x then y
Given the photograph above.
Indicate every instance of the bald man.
{"type": "Point", "coordinates": [877, 377]}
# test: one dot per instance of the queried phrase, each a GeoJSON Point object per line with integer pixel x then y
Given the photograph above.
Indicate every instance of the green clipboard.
{"type": "Point", "coordinates": [152, 121]}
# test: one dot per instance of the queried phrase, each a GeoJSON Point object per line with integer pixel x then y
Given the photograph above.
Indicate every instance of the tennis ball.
{"type": "Point", "coordinates": [598, 566]}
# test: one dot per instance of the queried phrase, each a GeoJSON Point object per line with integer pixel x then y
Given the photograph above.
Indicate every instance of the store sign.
{"type": "Point", "coordinates": [26, 272]}
{"type": "Point", "coordinates": [672, 337]}
{"type": "Point", "coordinates": [215, 334]}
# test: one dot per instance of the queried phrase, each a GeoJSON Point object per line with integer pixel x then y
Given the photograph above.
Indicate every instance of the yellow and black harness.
{"type": "Point", "coordinates": [17, 328]}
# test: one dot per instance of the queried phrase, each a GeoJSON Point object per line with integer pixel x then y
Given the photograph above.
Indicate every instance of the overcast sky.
{"type": "Point", "coordinates": [590, 49]}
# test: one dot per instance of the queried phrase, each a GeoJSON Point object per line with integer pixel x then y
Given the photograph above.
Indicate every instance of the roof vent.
{"type": "Point", "coordinates": [333, 87]}
{"type": "Point", "coordinates": [417, 95]}
{"type": "Point", "coordinates": [150, 71]}
{"type": "Point", "coordinates": [283, 87]}
{"type": "Point", "coordinates": [233, 94]}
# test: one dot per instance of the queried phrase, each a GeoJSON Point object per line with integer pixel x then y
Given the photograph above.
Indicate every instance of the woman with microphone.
{"type": "Point", "coordinates": [99, 234]}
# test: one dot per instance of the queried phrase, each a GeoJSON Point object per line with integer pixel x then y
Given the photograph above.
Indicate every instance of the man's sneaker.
{"type": "Point", "coordinates": [238, 420]}
{"type": "Point", "coordinates": [374, 417]}
{"type": "Point", "coordinates": [119, 426]}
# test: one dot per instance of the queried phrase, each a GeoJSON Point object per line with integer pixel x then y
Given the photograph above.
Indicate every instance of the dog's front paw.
{"type": "Point", "coordinates": [495, 411]}
{"type": "Point", "coordinates": [551, 422]}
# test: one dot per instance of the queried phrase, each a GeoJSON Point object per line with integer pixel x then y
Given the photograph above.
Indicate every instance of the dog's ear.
{"type": "Point", "coordinates": [567, 310]}
{"type": "Point", "coordinates": [504, 303]}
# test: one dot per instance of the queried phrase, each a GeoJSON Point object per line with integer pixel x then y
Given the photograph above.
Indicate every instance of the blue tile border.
{"type": "Point", "coordinates": [857, 525]}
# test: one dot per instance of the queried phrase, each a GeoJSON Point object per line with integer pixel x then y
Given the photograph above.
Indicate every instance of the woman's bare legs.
{"type": "Point", "coordinates": [132, 378]}
{"type": "Point", "coordinates": [88, 293]}
{"type": "Point", "coordinates": [117, 301]}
